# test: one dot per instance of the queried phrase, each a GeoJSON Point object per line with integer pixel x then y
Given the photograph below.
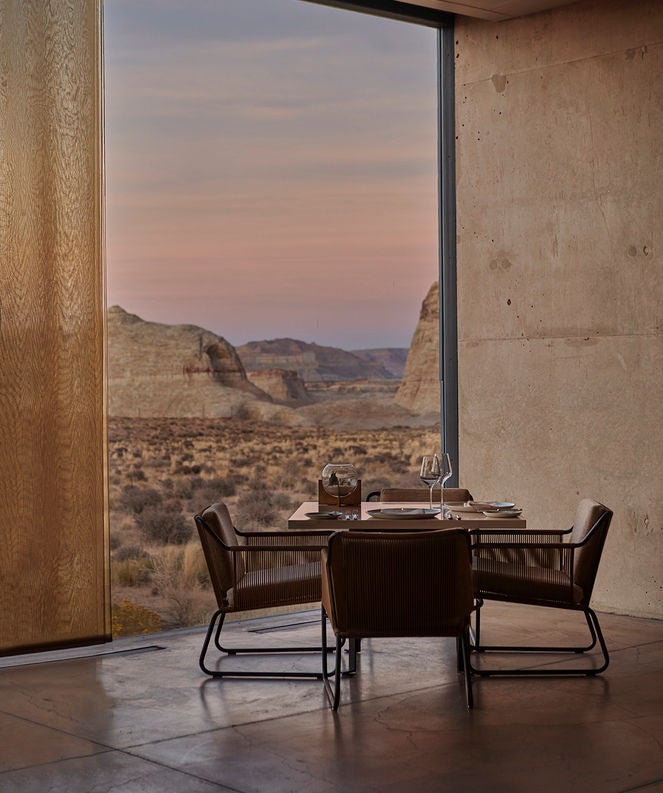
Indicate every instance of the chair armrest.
{"type": "Point", "coordinates": [285, 533]}
{"type": "Point", "coordinates": [524, 535]}
{"type": "Point", "coordinates": [549, 554]}
{"type": "Point", "coordinates": [266, 547]}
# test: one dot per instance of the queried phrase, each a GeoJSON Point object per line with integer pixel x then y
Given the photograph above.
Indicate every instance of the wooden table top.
{"type": "Point", "coordinates": [467, 520]}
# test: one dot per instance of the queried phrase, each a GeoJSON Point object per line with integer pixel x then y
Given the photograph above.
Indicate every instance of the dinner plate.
{"type": "Point", "coordinates": [502, 513]}
{"type": "Point", "coordinates": [327, 515]}
{"type": "Point", "coordinates": [403, 513]}
{"type": "Point", "coordinates": [479, 506]}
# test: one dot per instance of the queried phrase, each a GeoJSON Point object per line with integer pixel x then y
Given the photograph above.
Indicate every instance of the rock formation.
{"type": "Point", "coordinates": [284, 386]}
{"type": "Point", "coordinates": [420, 387]}
{"type": "Point", "coordinates": [312, 362]}
{"type": "Point", "coordinates": [392, 358]}
{"type": "Point", "coordinates": [172, 370]}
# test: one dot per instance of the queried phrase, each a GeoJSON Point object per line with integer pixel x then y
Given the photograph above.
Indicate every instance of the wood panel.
{"type": "Point", "coordinates": [53, 553]}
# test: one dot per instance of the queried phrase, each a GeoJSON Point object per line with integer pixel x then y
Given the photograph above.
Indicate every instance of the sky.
{"type": "Point", "coordinates": [271, 169]}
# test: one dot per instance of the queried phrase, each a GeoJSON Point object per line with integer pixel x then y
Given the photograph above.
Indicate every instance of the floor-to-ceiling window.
{"type": "Point", "coordinates": [272, 232]}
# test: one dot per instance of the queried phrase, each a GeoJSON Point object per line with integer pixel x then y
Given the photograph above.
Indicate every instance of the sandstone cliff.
{"type": "Point", "coordinates": [312, 362]}
{"type": "Point", "coordinates": [392, 358]}
{"type": "Point", "coordinates": [282, 385]}
{"type": "Point", "coordinates": [173, 370]}
{"type": "Point", "coordinates": [420, 387]}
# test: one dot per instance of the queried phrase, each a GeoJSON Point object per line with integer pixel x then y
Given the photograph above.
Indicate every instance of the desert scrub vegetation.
{"type": "Point", "coordinates": [163, 471]}
{"type": "Point", "coordinates": [132, 619]}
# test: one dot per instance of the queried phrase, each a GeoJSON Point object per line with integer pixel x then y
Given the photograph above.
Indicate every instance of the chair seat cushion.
{"type": "Point", "coordinates": [277, 586]}
{"type": "Point", "coordinates": [523, 582]}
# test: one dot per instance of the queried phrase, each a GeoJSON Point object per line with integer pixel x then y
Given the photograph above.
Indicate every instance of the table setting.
{"type": "Point", "coordinates": [340, 504]}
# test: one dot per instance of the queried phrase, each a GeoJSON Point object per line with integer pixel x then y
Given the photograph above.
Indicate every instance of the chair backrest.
{"type": "Point", "coordinates": [451, 494]}
{"type": "Point", "coordinates": [399, 584]}
{"type": "Point", "coordinates": [590, 528]}
{"type": "Point", "coordinates": [216, 532]}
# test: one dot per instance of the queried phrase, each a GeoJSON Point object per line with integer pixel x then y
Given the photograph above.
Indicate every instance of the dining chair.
{"type": "Point", "coordinates": [410, 584]}
{"type": "Point", "coordinates": [407, 494]}
{"type": "Point", "coordinates": [550, 568]}
{"type": "Point", "coordinates": [257, 570]}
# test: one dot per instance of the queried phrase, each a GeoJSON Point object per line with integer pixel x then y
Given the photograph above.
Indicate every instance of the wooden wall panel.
{"type": "Point", "coordinates": [53, 524]}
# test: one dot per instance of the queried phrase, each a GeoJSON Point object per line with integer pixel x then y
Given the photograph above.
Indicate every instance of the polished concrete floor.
{"type": "Point", "coordinates": [138, 715]}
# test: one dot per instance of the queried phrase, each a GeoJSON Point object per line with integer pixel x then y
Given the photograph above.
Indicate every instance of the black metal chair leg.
{"type": "Point", "coordinates": [220, 617]}
{"type": "Point", "coordinates": [596, 635]}
{"type": "Point", "coordinates": [464, 643]}
{"type": "Point", "coordinates": [333, 693]}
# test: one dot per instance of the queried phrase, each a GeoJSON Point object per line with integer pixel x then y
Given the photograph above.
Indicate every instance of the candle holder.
{"type": "Point", "coordinates": [340, 486]}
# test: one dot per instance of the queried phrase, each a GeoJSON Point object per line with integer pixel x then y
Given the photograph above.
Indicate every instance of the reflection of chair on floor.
{"type": "Point", "coordinates": [538, 568]}
{"type": "Point", "coordinates": [257, 570]}
{"type": "Point", "coordinates": [401, 585]}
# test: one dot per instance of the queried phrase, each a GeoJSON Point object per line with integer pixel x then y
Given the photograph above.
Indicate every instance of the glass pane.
{"type": "Point", "coordinates": [272, 233]}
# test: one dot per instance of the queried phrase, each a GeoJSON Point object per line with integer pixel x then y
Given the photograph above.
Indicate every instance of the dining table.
{"type": "Point", "coordinates": [392, 516]}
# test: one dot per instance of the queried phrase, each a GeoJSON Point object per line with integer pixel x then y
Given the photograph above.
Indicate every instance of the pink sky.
{"type": "Point", "coordinates": [271, 169]}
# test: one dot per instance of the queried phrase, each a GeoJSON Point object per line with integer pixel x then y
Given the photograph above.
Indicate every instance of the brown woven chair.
{"type": "Point", "coordinates": [451, 494]}
{"type": "Point", "coordinates": [538, 567]}
{"type": "Point", "coordinates": [257, 570]}
{"type": "Point", "coordinates": [386, 584]}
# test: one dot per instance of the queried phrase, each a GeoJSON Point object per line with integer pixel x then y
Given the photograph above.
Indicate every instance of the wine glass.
{"type": "Point", "coordinates": [339, 480]}
{"type": "Point", "coordinates": [446, 472]}
{"type": "Point", "coordinates": [430, 473]}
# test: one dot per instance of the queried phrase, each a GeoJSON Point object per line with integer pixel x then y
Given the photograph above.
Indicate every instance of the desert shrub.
{"type": "Point", "coordinates": [129, 552]}
{"type": "Point", "coordinates": [114, 542]}
{"type": "Point", "coordinates": [256, 507]}
{"type": "Point", "coordinates": [135, 499]}
{"type": "Point", "coordinates": [180, 578]}
{"type": "Point", "coordinates": [238, 478]}
{"type": "Point", "coordinates": [165, 524]}
{"type": "Point", "coordinates": [136, 475]}
{"type": "Point", "coordinates": [132, 619]}
{"type": "Point", "coordinates": [282, 500]}
{"type": "Point", "coordinates": [184, 487]}
{"type": "Point", "coordinates": [399, 466]}
{"type": "Point", "coordinates": [185, 470]}
{"type": "Point", "coordinates": [131, 572]}
{"type": "Point", "coordinates": [216, 489]}
{"type": "Point", "coordinates": [290, 472]}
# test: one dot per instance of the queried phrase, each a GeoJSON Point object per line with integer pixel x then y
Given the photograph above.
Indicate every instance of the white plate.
{"type": "Point", "coordinates": [503, 513]}
{"type": "Point", "coordinates": [480, 506]}
{"type": "Point", "coordinates": [326, 515]}
{"type": "Point", "coordinates": [403, 513]}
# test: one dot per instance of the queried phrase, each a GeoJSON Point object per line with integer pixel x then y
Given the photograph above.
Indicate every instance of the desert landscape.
{"type": "Point", "coordinates": [194, 420]}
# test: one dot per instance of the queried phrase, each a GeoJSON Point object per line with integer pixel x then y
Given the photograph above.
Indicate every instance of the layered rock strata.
{"type": "Point", "coordinates": [420, 388]}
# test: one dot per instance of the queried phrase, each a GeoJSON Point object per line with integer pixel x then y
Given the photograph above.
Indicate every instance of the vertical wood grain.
{"type": "Point", "coordinates": [53, 525]}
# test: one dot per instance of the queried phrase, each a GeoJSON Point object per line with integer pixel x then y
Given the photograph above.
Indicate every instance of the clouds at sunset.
{"type": "Point", "coordinates": [271, 169]}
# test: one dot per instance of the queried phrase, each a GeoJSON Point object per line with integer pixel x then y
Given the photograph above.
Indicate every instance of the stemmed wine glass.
{"type": "Point", "coordinates": [446, 471]}
{"type": "Point", "coordinates": [430, 473]}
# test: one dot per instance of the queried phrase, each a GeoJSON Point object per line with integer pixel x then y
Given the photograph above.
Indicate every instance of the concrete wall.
{"type": "Point", "coordinates": [559, 124]}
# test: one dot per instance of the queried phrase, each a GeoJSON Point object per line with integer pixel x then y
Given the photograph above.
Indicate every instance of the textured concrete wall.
{"type": "Point", "coordinates": [559, 124]}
